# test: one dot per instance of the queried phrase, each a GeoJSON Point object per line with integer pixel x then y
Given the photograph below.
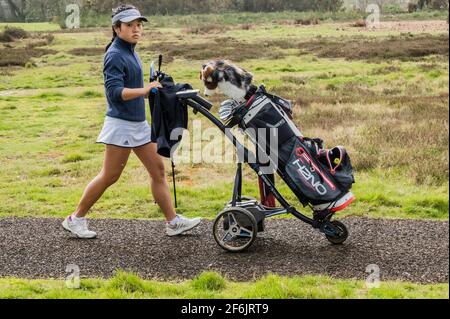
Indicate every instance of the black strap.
{"type": "Point", "coordinates": [174, 186]}
{"type": "Point", "coordinates": [251, 91]}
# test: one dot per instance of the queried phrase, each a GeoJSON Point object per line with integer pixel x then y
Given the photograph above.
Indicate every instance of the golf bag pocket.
{"type": "Point", "coordinates": [339, 165]}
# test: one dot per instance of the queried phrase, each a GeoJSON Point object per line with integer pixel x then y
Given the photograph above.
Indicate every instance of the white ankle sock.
{"type": "Point", "coordinates": [173, 221]}
{"type": "Point", "coordinates": [77, 219]}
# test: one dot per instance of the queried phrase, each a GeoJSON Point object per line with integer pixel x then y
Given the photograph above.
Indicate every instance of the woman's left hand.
{"type": "Point", "coordinates": [155, 85]}
{"type": "Point", "coordinates": [151, 86]}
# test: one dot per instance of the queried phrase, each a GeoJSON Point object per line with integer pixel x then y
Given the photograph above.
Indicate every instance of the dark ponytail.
{"type": "Point", "coordinates": [114, 35]}
{"type": "Point", "coordinates": [115, 11]}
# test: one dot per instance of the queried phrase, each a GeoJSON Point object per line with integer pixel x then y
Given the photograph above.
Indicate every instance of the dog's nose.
{"type": "Point", "coordinates": [203, 66]}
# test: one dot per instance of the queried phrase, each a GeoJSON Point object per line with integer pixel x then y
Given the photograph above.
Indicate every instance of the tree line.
{"type": "Point", "coordinates": [44, 10]}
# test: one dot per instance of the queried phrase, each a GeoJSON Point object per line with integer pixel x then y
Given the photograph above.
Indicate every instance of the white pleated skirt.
{"type": "Point", "coordinates": [124, 133]}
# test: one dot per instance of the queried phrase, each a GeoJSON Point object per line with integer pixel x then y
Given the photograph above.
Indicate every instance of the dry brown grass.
{"type": "Point", "coordinates": [361, 23]}
{"type": "Point", "coordinates": [11, 34]}
{"type": "Point", "coordinates": [298, 80]}
{"type": "Point", "coordinates": [20, 56]}
{"type": "Point", "coordinates": [223, 47]}
{"type": "Point", "coordinates": [405, 48]}
{"type": "Point", "coordinates": [10, 54]}
{"type": "Point", "coordinates": [40, 41]}
{"type": "Point", "coordinates": [207, 29]}
{"type": "Point", "coordinates": [299, 22]}
{"type": "Point", "coordinates": [87, 51]}
{"type": "Point", "coordinates": [401, 132]}
{"type": "Point", "coordinates": [387, 70]}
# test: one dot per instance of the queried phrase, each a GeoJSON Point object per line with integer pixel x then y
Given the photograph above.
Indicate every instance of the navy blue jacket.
{"type": "Point", "coordinates": [122, 68]}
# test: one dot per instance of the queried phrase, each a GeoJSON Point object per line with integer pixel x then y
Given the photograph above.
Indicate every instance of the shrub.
{"type": "Point", "coordinates": [361, 23]}
{"type": "Point", "coordinates": [412, 7]}
{"type": "Point", "coordinates": [11, 34]}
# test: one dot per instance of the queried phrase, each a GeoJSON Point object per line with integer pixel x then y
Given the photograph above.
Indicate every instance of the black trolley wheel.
{"type": "Point", "coordinates": [342, 233]}
{"type": "Point", "coordinates": [235, 229]}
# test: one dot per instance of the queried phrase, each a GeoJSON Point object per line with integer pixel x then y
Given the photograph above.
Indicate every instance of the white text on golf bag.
{"type": "Point", "coordinates": [309, 177]}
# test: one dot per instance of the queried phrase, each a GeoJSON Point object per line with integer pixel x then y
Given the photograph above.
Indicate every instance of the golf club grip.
{"type": "Point", "coordinates": [150, 79]}
{"type": "Point", "coordinates": [160, 62]}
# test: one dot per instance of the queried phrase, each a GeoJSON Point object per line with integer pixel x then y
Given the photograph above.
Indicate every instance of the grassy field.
{"type": "Point", "coordinates": [213, 285]}
{"type": "Point", "coordinates": [381, 93]}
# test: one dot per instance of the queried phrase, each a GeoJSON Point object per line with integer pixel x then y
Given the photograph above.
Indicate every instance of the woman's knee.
{"type": "Point", "coordinates": [109, 178]}
{"type": "Point", "coordinates": [158, 174]}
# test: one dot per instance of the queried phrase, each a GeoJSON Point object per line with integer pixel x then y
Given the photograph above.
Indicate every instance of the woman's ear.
{"type": "Point", "coordinates": [116, 28]}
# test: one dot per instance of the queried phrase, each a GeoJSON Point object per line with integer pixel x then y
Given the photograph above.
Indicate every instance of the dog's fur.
{"type": "Point", "coordinates": [230, 79]}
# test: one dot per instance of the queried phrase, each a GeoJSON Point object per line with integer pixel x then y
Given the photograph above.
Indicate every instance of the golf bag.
{"type": "Point", "coordinates": [317, 176]}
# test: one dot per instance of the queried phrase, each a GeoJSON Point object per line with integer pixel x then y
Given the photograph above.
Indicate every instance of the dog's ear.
{"type": "Point", "coordinates": [206, 72]}
{"type": "Point", "coordinates": [201, 71]}
{"type": "Point", "coordinates": [248, 78]}
{"type": "Point", "coordinates": [209, 75]}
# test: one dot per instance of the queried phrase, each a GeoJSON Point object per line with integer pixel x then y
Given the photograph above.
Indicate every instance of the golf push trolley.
{"type": "Point", "coordinates": [237, 226]}
{"type": "Point", "coordinates": [320, 178]}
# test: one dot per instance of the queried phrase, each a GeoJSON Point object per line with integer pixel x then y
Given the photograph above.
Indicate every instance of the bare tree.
{"type": "Point", "coordinates": [17, 9]}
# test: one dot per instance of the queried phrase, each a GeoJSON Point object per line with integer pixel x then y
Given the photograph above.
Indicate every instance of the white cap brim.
{"type": "Point", "coordinates": [129, 19]}
{"type": "Point", "coordinates": [128, 16]}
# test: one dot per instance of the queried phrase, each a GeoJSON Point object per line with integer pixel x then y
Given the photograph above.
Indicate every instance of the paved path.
{"type": "Point", "coordinates": [409, 250]}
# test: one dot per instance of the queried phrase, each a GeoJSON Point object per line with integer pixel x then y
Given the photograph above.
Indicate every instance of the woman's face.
{"type": "Point", "coordinates": [131, 31]}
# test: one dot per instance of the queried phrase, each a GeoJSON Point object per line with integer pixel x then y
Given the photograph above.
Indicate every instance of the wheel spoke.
{"type": "Point", "coordinates": [245, 230]}
{"type": "Point", "coordinates": [232, 219]}
{"type": "Point", "coordinates": [224, 239]}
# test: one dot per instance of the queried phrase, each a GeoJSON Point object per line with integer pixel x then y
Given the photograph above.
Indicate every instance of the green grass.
{"type": "Point", "coordinates": [213, 285]}
{"type": "Point", "coordinates": [36, 26]}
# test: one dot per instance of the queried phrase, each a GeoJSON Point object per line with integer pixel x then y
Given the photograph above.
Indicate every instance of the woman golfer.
{"type": "Point", "coordinates": [125, 128]}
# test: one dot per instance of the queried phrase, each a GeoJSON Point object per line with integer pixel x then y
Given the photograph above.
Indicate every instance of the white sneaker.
{"type": "Point", "coordinates": [78, 227]}
{"type": "Point", "coordinates": [181, 224]}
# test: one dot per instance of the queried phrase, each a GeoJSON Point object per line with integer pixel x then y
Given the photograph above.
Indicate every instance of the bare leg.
{"type": "Point", "coordinates": [154, 164]}
{"type": "Point", "coordinates": [113, 165]}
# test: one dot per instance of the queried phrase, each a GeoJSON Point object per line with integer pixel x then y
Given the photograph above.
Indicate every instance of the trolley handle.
{"type": "Point", "coordinates": [193, 95]}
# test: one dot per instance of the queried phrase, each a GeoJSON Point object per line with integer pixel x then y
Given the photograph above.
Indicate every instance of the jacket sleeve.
{"type": "Point", "coordinates": [114, 74]}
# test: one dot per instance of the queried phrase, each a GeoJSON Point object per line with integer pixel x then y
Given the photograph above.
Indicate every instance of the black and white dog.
{"type": "Point", "coordinates": [231, 80]}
